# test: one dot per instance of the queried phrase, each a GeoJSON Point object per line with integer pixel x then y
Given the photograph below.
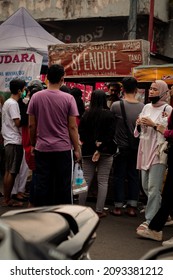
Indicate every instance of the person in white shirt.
{"type": "Point", "coordinates": [11, 133]}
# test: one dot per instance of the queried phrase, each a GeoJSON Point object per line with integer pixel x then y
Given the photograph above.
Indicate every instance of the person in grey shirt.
{"type": "Point", "coordinates": [125, 162]}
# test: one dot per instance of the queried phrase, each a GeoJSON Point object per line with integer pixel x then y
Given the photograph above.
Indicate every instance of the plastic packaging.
{"type": "Point", "coordinates": [79, 184]}
{"type": "Point", "coordinates": [79, 175]}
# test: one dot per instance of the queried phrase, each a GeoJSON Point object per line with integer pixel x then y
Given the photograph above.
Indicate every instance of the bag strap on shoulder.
{"type": "Point", "coordinates": [125, 122]}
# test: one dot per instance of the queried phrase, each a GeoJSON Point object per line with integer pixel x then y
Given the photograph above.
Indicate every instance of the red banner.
{"type": "Point", "coordinates": [100, 59]}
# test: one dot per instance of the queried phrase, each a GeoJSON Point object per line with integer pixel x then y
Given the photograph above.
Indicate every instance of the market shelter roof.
{"type": "Point", "coordinates": [22, 32]}
{"type": "Point", "coordinates": [149, 73]}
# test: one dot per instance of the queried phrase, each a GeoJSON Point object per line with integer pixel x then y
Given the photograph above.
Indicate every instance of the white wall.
{"type": "Point", "coordinates": [72, 9]}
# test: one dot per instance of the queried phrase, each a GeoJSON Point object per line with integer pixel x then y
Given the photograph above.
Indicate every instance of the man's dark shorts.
{"type": "Point", "coordinates": [13, 158]}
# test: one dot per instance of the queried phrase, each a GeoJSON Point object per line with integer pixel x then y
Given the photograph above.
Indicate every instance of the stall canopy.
{"type": "Point", "coordinates": [149, 73]}
{"type": "Point", "coordinates": [22, 32]}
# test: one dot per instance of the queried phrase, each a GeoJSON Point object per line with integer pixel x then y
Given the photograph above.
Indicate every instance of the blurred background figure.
{"type": "Point", "coordinates": [65, 88]}
{"type": "Point", "coordinates": [1, 143]}
{"type": "Point", "coordinates": [77, 94]}
{"type": "Point", "coordinates": [114, 93]}
{"type": "Point", "coordinates": [33, 87]}
{"type": "Point", "coordinates": [18, 191]}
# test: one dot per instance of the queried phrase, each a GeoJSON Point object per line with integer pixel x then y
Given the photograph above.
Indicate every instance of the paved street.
{"type": "Point", "coordinates": [116, 237]}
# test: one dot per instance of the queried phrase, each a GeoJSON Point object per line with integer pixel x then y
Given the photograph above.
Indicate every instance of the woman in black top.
{"type": "Point", "coordinates": [96, 131]}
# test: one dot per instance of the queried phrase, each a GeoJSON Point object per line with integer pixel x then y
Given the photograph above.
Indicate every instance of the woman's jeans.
{"type": "Point", "coordinates": [125, 171]}
{"type": "Point", "coordinates": [152, 181]}
{"type": "Point", "coordinates": [159, 220]}
{"type": "Point", "coordinates": [103, 167]}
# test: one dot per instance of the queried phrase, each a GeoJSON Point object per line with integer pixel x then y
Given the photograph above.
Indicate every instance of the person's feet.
{"type": "Point", "coordinates": [142, 226]}
{"type": "Point", "coordinates": [150, 234]}
{"type": "Point", "coordinates": [11, 203]}
{"type": "Point", "coordinates": [169, 221]}
{"type": "Point", "coordinates": [116, 211]}
{"type": "Point", "coordinates": [20, 197]}
{"type": "Point", "coordinates": [131, 211]}
{"type": "Point", "coordinates": [101, 214]}
{"type": "Point", "coordinates": [168, 242]}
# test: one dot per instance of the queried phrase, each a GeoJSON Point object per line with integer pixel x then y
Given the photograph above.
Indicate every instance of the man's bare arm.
{"type": "Point", "coordinates": [73, 132]}
{"type": "Point", "coordinates": [17, 122]}
{"type": "Point", "coordinates": [32, 129]}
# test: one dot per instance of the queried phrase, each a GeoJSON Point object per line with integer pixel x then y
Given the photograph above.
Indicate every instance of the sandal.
{"type": "Point", "coordinates": [12, 203]}
{"type": "Point", "coordinates": [101, 214]}
{"type": "Point", "coordinates": [19, 197]}
{"type": "Point", "coordinates": [116, 211]}
{"type": "Point", "coordinates": [142, 226]}
{"type": "Point", "coordinates": [131, 211]}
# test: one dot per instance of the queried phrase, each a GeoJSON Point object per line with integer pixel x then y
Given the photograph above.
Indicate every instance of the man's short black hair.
{"type": "Point", "coordinates": [16, 85]}
{"type": "Point", "coordinates": [55, 73]}
{"type": "Point", "coordinates": [129, 84]}
{"type": "Point", "coordinates": [115, 85]}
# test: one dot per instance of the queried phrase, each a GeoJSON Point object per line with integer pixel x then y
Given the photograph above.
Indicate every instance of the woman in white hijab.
{"type": "Point", "coordinates": [151, 158]}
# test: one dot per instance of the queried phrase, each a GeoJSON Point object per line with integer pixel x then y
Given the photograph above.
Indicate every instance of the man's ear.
{"type": "Point", "coordinates": [62, 81]}
{"type": "Point", "coordinates": [19, 92]}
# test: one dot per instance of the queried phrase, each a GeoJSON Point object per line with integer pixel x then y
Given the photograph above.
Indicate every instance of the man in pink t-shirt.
{"type": "Point", "coordinates": [54, 136]}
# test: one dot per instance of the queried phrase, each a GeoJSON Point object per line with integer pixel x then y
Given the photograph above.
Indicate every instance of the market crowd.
{"type": "Point", "coordinates": [45, 130]}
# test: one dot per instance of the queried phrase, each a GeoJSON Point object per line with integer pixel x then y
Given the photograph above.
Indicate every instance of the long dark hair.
{"type": "Point", "coordinates": [77, 94]}
{"type": "Point", "coordinates": [96, 110]}
{"type": "Point", "coordinates": [98, 100]}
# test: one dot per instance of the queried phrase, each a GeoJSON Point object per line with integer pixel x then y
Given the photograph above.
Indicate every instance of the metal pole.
{"type": "Point", "coordinates": [150, 27]}
{"type": "Point", "coordinates": [132, 20]}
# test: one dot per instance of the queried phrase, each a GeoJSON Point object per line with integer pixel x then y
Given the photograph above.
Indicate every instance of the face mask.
{"type": "Point", "coordinates": [154, 99]}
{"type": "Point", "coordinates": [23, 94]}
{"type": "Point", "coordinates": [25, 100]}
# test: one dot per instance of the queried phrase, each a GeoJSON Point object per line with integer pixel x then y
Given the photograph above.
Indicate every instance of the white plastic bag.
{"type": "Point", "coordinates": [79, 184]}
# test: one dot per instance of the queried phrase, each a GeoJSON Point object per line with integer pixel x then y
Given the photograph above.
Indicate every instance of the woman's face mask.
{"type": "Point", "coordinates": [154, 99]}
{"type": "Point", "coordinates": [154, 94]}
{"type": "Point", "coordinates": [23, 95]}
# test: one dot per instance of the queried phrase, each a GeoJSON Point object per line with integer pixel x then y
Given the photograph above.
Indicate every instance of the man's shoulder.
{"type": "Point", "coordinates": [9, 102]}
{"type": "Point", "coordinates": [141, 104]}
{"type": "Point", "coordinates": [116, 104]}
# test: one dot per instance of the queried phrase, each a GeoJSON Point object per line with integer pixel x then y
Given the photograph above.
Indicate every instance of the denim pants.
{"type": "Point", "coordinates": [159, 220]}
{"type": "Point", "coordinates": [152, 181]}
{"type": "Point", "coordinates": [103, 167]}
{"type": "Point", "coordinates": [125, 169]}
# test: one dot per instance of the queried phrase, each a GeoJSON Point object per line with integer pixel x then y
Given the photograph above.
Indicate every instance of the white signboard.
{"type": "Point", "coordinates": [25, 65]}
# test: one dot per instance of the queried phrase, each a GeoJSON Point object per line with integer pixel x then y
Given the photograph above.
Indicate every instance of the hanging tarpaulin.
{"type": "Point", "coordinates": [25, 65]}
